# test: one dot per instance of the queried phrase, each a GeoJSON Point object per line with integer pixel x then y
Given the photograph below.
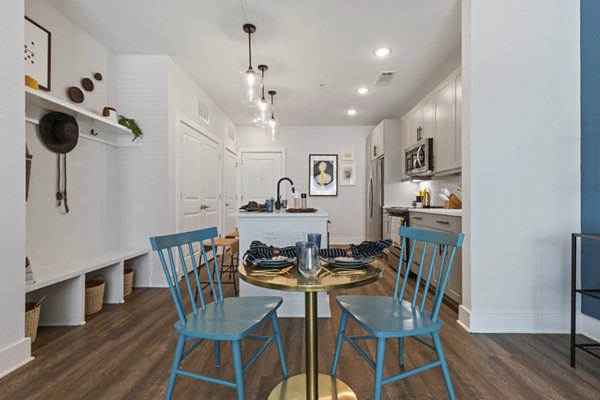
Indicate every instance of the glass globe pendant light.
{"type": "Point", "coordinates": [261, 112]}
{"type": "Point", "coordinates": [250, 80]}
{"type": "Point", "coordinates": [272, 126]}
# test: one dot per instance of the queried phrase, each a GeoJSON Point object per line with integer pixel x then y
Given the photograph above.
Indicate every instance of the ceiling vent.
{"type": "Point", "coordinates": [385, 78]}
{"type": "Point", "coordinates": [203, 111]}
{"type": "Point", "coordinates": [231, 133]}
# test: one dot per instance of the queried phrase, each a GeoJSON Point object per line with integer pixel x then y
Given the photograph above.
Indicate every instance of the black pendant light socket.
{"type": "Point", "coordinates": [249, 28]}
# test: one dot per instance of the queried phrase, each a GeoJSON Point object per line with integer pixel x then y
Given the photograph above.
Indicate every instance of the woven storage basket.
{"type": "Point", "coordinates": [32, 317]}
{"type": "Point", "coordinates": [127, 282]}
{"type": "Point", "coordinates": [94, 295]}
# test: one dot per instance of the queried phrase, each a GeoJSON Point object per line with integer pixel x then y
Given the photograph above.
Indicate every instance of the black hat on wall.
{"type": "Point", "coordinates": [59, 132]}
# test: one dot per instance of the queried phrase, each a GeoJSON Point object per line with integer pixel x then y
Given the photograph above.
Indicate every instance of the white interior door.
{"type": "Point", "coordinates": [229, 191]}
{"type": "Point", "coordinates": [260, 173]}
{"type": "Point", "coordinates": [200, 180]}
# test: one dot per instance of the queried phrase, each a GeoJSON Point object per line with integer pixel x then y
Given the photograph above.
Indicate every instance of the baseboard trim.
{"type": "Point", "coordinates": [464, 318]}
{"type": "Point", "coordinates": [15, 356]}
{"type": "Point", "coordinates": [589, 326]}
{"type": "Point", "coordinates": [558, 322]}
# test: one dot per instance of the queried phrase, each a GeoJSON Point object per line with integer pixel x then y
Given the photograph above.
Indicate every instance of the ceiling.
{"type": "Point", "coordinates": [318, 51]}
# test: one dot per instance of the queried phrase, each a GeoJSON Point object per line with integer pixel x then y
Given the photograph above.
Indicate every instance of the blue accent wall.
{"type": "Point", "coordinates": [590, 150]}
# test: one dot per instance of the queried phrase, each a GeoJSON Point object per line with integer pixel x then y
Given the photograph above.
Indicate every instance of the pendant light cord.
{"type": "Point", "coordinates": [249, 50]}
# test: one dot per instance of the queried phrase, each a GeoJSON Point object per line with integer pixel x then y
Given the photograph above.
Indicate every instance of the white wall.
{"type": "Point", "coordinates": [14, 347]}
{"type": "Point", "coordinates": [145, 206]}
{"type": "Point", "coordinates": [184, 94]}
{"type": "Point", "coordinates": [75, 55]}
{"type": "Point", "coordinates": [521, 103]}
{"type": "Point", "coordinates": [347, 210]}
{"type": "Point", "coordinates": [90, 226]}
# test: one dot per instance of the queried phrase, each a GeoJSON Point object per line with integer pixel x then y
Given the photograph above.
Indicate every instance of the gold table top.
{"type": "Point", "coordinates": [328, 279]}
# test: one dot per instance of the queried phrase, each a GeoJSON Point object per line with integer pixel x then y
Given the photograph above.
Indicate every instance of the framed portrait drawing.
{"type": "Point", "coordinates": [347, 155]}
{"type": "Point", "coordinates": [37, 53]}
{"type": "Point", "coordinates": [322, 175]}
{"type": "Point", "coordinates": [348, 174]}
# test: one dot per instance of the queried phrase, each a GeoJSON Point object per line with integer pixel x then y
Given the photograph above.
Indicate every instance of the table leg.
{"type": "Point", "coordinates": [312, 362]}
{"type": "Point", "coordinates": [312, 385]}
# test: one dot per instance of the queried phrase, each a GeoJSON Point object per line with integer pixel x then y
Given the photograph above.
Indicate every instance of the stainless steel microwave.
{"type": "Point", "coordinates": [419, 158]}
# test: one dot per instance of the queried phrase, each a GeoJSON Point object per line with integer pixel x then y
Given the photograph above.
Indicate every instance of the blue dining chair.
{"type": "Point", "coordinates": [225, 319]}
{"type": "Point", "coordinates": [394, 317]}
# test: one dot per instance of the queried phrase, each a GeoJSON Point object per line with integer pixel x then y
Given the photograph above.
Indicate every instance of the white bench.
{"type": "Point", "coordinates": [64, 283]}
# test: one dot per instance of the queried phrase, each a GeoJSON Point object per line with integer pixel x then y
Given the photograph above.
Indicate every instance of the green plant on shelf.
{"type": "Point", "coordinates": [132, 126]}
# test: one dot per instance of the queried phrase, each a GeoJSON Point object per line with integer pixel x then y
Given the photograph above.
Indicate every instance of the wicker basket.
{"type": "Point", "coordinates": [127, 282]}
{"type": "Point", "coordinates": [32, 317]}
{"type": "Point", "coordinates": [94, 295]}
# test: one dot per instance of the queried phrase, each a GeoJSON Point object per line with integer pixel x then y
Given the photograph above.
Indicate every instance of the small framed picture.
{"type": "Point", "coordinates": [347, 155]}
{"type": "Point", "coordinates": [347, 174]}
{"type": "Point", "coordinates": [37, 53]}
{"type": "Point", "coordinates": [322, 175]}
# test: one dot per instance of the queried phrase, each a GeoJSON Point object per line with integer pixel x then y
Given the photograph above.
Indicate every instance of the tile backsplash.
{"type": "Point", "coordinates": [450, 182]}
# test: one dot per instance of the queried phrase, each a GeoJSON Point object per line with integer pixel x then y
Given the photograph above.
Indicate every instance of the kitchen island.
{"type": "Point", "coordinates": [282, 229]}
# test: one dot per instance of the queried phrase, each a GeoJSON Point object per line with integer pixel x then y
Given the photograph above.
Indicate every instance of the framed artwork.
{"type": "Point", "coordinates": [322, 175]}
{"type": "Point", "coordinates": [37, 53]}
{"type": "Point", "coordinates": [348, 174]}
{"type": "Point", "coordinates": [347, 155]}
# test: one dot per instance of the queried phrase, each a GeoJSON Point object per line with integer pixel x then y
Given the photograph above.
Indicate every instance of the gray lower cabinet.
{"type": "Point", "coordinates": [440, 223]}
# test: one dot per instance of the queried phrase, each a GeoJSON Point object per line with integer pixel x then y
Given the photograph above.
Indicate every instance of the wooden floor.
{"type": "Point", "coordinates": [125, 352]}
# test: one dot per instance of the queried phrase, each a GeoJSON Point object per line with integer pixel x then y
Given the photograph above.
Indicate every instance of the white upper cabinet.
{"type": "Point", "coordinates": [438, 116]}
{"type": "Point", "coordinates": [444, 146]}
{"type": "Point", "coordinates": [377, 141]}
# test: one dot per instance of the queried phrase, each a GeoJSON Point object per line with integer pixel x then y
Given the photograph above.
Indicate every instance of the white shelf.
{"type": "Point", "coordinates": [106, 131]}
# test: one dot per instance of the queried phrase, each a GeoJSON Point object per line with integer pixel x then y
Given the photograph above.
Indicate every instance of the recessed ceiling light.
{"type": "Point", "coordinates": [363, 90]}
{"type": "Point", "coordinates": [382, 52]}
{"type": "Point", "coordinates": [352, 111]}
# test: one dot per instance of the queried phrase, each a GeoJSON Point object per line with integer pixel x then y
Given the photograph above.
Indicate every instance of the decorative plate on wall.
{"type": "Point", "coordinates": [76, 94]}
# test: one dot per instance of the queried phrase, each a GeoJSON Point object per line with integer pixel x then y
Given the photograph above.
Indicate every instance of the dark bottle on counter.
{"type": "Point", "coordinates": [303, 201]}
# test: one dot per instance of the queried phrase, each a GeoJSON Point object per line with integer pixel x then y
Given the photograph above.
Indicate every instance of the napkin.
{"type": "Point", "coordinates": [259, 250]}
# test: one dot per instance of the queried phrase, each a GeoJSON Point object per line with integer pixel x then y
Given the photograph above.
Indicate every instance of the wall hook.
{"type": "Point", "coordinates": [93, 132]}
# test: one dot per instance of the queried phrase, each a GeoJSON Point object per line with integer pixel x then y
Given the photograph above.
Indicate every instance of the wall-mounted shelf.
{"type": "Point", "coordinates": [91, 126]}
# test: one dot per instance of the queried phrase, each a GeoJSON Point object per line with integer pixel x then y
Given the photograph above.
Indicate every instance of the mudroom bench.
{"type": "Point", "coordinates": [64, 283]}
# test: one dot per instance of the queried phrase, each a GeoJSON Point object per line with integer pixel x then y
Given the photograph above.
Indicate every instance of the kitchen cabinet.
{"type": "Point", "coordinates": [439, 116]}
{"type": "Point", "coordinates": [377, 141]}
{"type": "Point", "coordinates": [421, 121]}
{"type": "Point", "coordinates": [444, 148]}
{"type": "Point", "coordinates": [440, 223]}
{"type": "Point", "coordinates": [385, 141]}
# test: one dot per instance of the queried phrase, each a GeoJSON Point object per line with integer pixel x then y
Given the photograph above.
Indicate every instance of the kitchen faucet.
{"type": "Point", "coordinates": [278, 201]}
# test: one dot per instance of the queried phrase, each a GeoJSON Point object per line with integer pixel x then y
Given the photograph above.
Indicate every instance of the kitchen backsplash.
{"type": "Point", "coordinates": [451, 182]}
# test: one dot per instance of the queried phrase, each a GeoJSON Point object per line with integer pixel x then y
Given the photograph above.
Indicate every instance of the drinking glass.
{"type": "Point", "coordinates": [309, 264]}
{"type": "Point", "coordinates": [299, 248]}
{"type": "Point", "coordinates": [314, 238]}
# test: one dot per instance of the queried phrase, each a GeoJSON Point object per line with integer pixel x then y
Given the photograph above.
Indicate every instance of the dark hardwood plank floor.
{"type": "Point", "coordinates": [125, 352]}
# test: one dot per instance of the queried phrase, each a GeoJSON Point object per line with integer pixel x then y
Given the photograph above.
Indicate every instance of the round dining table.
{"type": "Point", "coordinates": [311, 385]}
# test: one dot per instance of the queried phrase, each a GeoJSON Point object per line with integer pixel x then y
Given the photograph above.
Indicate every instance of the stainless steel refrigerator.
{"type": "Point", "coordinates": [374, 221]}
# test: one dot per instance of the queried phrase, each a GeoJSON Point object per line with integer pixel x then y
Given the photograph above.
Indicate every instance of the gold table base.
{"type": "Point", "coordinates": [294, 388]}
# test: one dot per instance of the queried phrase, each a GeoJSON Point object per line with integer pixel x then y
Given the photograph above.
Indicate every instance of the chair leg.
{"type": "Point", "coordinates": [176, 362]}
{"type": "Point", "coordinates": [379, 361]}
{"type": "Point", "coordinates": [236, 348]}
{"type": "Point", "coordinates": [401, 351]}
{"type": "Point", "coordinates": [339, 342]}
{"type": "Point", "coordinates": [279, 342]}
{"type": "Point", "coordinates": [217, 353]}
{"type": "Point", "coordinates": [440, 353]}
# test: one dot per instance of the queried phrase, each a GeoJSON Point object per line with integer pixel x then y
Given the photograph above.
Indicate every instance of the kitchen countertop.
{"type": "Point", "coordinates": [439, 211]}
{"type": "Point", "coordinates": [280, 214]}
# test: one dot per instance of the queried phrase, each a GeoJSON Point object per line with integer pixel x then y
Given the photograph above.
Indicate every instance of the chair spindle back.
{"type": "Point", "coordinates": [416, 244]}
{"type": "Point", "coordinates": [188, 242]}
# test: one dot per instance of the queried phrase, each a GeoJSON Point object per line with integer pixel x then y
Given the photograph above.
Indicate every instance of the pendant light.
{"type": "Point", "coordinates": [272, 126]}
{"type": "Point", "coordinates": [250, 80]}
{"type": "Point", "coordinates": [261, 112]}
